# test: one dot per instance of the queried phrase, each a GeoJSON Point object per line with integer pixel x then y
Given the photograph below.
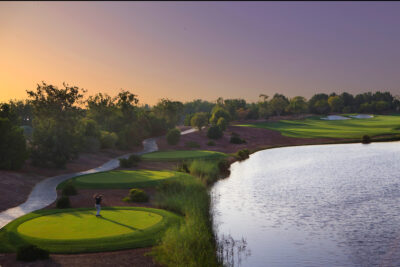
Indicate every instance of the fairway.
{"type": "Point", "coordinates": [79, 230]}
{"type": "Point", "coordinates": [182, 155]}
{"type": "Point", "coordinates": [121, 179]}
{"type": "Point", "coordinates": [314, 127]}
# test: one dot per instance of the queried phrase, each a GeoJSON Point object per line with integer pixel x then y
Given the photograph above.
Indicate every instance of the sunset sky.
{"type": "Point", "coordinates": [189, 50]}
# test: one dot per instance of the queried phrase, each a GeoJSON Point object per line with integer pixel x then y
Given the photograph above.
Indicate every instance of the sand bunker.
{"type": "Point", "coordinates": [335, 118]}
{"type": "Point", "coordinates": [362, 116]}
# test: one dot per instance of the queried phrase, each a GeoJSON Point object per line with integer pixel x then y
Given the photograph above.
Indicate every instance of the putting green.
{"type": "Point", "coordinates": [314, 127]}
{"type": "Point", "coordinates": [182, 155]}
{"type": "Point", "coordinates": [84, 224]}
{"type": "Point", "coordinates": [79, 230]}
{"type": "Point", "coordinates": [121, 179]}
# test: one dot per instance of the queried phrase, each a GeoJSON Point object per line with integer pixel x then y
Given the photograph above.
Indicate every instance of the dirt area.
{"type": "Point", "coordinates": [19, 184]}
{"type": "Point", "coordinates": [131, 257]}
{"type": "Point", "coordinates": [256, 138]}
{"type": "Point", "coordinates": [111, 197]}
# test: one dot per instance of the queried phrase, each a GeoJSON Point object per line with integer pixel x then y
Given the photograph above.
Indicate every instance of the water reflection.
{"type": "Point", "coordinates": [329, 205]}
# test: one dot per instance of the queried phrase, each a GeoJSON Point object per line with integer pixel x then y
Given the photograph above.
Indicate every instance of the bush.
{"type": "Point", "coordinates": [13, 152]}
{"type": "Point", "coordinates": [108, 139]}
{"type": "Point", "coordinates": [138, 195]}
{"type": "Point", "coordinates": [69, 190]}
{"type": "Point", "coordinates": [31, 253]}
{"type": "Point", "coordinates": [223, 166]}
{"type": "Point", "coordinates": [222, 123]}
{"type": "Point", "coordinates": [211, 143]}
{"type": "Point", "coordinates": [182, 167]}
{"type": "Point", "coordinates": [242, 154]}
{"type": "Point", "coordinates": [173, 136]}
{"type": "Point", "coordinates": [192, 144]}
{"type": "Point", "coordinates": [235, 139]}
{"type": "Point", "coordinates": [366, 139]}
{"type": "Point", "coordinates": [214, 132]}
{"type": "Point", "coordinates": [63, 203]}
{"type": "Point", "coordinates": [130, 162]}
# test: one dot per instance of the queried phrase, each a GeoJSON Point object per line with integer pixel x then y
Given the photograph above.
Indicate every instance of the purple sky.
{"type": "Point", "coordinates": [188, 50]}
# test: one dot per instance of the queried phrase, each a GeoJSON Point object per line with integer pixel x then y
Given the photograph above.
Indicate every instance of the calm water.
{"type": "Point", "coordinates": [326, 205]}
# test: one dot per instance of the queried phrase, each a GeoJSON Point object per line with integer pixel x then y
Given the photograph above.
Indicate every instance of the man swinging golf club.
{"type": "Point", "coordinates": [97, 199]}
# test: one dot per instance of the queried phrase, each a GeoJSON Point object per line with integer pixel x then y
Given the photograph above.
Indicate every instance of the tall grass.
{"type": "Point", "coordinates": [192, 243]}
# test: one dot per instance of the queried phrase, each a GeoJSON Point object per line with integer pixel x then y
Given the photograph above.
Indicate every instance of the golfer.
{"type": "Point", "coordinates": [97, 199]}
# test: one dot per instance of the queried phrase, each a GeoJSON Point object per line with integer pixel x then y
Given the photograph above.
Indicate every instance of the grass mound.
{"type": "Point", "coordinates": [314, 127]}
{"type": "Point", "coordinates": [120, 179]}
{"type": "Point", "coordinates": [182, 155]}
{"type": "Point", "coordinates": [79, 230]}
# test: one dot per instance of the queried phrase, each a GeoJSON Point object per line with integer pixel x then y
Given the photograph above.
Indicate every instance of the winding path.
{"type": "Point", "coordinates": [45, 193]}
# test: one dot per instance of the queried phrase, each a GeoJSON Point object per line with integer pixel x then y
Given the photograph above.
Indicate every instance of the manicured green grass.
{"type": "Point", "coordinates": [79, 230]}
{"type": "Point", "coordinates": [120, 179]}
{"type": "Point", "coordinates": [182, 155]}
{"type": "Point", "coordinates": [314, 127]}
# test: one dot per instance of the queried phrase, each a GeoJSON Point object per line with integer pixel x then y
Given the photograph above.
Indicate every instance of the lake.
{"type": "Point", "coordinates": [323, 205]}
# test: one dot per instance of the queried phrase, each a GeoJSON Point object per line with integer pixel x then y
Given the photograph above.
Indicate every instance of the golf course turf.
{"type": "Point", "coordinates": [314, 127]}
{"type": "Point", "coordinates": [121, 179]}
{"type": "Point", "coordinates": [182, 155]}
{"type": "Point", "coordinates": [79, 230]}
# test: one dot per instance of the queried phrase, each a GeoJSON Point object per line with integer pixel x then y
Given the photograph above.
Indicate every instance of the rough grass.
{"type": "Point", "coordinates": [314, 127]}
{"type": "Point", "coordinates": [120, 179]}
{"type": "Point", "coordinates": [182, 155]}
{"type": "Point", "coordinates": [79, 231]}
{"type": "Point", "coordinates": [191, 243]}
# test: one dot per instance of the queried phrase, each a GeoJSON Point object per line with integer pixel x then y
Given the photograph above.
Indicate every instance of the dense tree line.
{"type": "Point", "coordinates": [55, 124]}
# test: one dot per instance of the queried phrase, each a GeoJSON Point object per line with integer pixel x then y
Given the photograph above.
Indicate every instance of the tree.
{"type": "Point", "coordinates": [214, 132]}
{"type": "Point", "coordinates": [173, 136]}
{"type": "Point", "coordinates": [336, 103]}
{"type": "Point", "coordinates": [13, 151]}
{"type": "Point", "coordinates": [297, 105]}
{"type": "Point", "coordinates": [199, 120]}
{"type": "Point", "coordinates": [321, 107]}
{"type": "Point", "coordinates": [278, 104]}
{"type": "Point", "coordinates": [222, 123]}
{"type": "Point", "coordinates": [219, 112]}
{"type": "Point", "coordinates": [169, 110]}
{"type": "Point", "coordinates": [56, 114]}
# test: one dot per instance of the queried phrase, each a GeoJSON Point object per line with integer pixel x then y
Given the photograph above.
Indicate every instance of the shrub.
{"type": "Point", "coordinates": [222, 123]}
{"type": "Point", "coordinates": [192, 144]}
{"type": "Point", "coordinates": [108, 139]}
{"type": "Point", "coordinates": [199, 120]}
{"type": "Point", "coordinates": [13, 152]}
{"type": "Point", "coordinates": [132, 161]}
{"type": "Point", "coordinates": [214, 132]}
{"type": "Point", "coordinates": [242, 154]}
{"type": "Point", "coordinates": [182, 167]}
{"type": "Point", "coordinates": [138, 195]}
{"type": "Point", "coordinates": [63, 203]}
{"type": "Point", "coordinates": [31, 253]}
{"type": "Point", "coordinates": [173, 136]}
{"type": "Point", "coordinates": [69, 190]}
{"type": "Point", "coordinates": [366, 139]}
{"type": "Point", "coordinates": [235, 139]}
{"type": "Point", "coordinates": [223, 166]}
{"type": "Point", "coordinates": [211, 143]}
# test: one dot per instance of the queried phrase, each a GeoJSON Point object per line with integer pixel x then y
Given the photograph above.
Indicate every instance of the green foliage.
{"type": "Point", "coordinates": [214, 132]}
{"type": "Point", "coordinates": [242, 154]}
{"type": "Point", "coordinates": [235, 139]}
{"type": "Point", "coordinates": [278, 104]}
{"type": "Point", "coordinates": [187, 120]}
{"type": "Point", "coordinates": [131, 161]}
{"type": "Point", "coordinates": [206, 170]}
{"type": "Point", "coordinates": [211, 143]}
{"type": "Point", "coordinates": [182, 155]}
{"type": "Point", "coordinates": [63, 202]}
{"type": "Point", "coordinates": [108, 139]}
{"type": "Point", "coordinates": [173, 136]}
{"type": "Point", "coordinates": [223, 166]}
{"type": "Point", "coordinates": [13, 151]}
{"type": "Point", "coordinates": [56, 115]}
{"type": "Point", "coordinates": [297, 105]}
{"type": "Point", "coordinates": [89, 134]}
{"type": "Point", "coordinates": [31, 253]}
{"type": "Point", "coordinates": [222, 123]}
{"type": "Point", "coordinates": [138, 195]}
{"type": "Point", "coordinates": [192, 144]}
{"type": "Point", "coordinates": [366, 139]}
{"type": "Point", "coordinates": [199, 120]}
{"type": "Point", "coordinates": [69, 190]}
{"type": "Point", "coordinates": [182, 167]}
{"type": "Point", "coordinates": [219, 112]}
{"type": "Point", "coordinates": [168, 110]}
{"type": "Point", "coordinates": [336, 103]}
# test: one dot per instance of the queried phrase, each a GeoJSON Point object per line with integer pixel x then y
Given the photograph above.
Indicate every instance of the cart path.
{"type": "Point", "coordinates": [45, 193]}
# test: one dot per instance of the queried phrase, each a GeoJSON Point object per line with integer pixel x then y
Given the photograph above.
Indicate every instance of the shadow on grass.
{"type": "Point", "coordinates": [124, 225]}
